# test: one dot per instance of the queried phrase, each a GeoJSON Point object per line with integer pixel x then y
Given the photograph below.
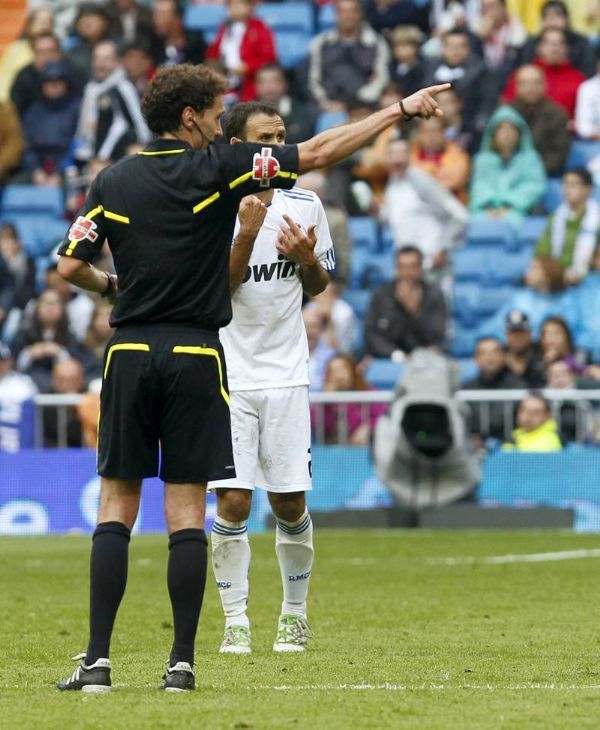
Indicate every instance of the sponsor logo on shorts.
{"type": "Point", "coordinates": [83, 228]}
{"type": "Point", "coordinates": [298, 576]}
{"type": "Point", "coordinates": [264, 166]}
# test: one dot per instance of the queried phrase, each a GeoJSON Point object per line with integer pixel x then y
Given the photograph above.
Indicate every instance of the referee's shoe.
{"type": "Point", "coordinates": [179, 678]}
{"type": "Point", "coordinates": [92, 678]}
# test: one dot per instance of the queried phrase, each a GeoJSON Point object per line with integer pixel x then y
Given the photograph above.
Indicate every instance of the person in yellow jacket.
{"type": "Point", "coordinates": [537, 430]}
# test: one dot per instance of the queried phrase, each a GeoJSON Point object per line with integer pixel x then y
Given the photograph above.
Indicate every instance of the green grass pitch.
{"type": "Point", "coordinates": [404, 638]}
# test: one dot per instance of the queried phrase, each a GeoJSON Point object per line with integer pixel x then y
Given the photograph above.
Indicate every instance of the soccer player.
{"type": "Point", "coordinates": [169, 213]}
{"type": "Point", "coordinates": [267, 362]}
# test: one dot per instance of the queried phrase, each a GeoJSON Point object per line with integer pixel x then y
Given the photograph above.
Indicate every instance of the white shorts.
{"type": "Point", "coordinates": [270, 431]}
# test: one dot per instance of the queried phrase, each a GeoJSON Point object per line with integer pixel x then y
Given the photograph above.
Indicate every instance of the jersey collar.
{"type": "Point", "coordinates": [167, 145]}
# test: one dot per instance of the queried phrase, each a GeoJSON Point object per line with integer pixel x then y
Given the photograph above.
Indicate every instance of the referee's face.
{"type": "Point", "coordinates": [207, 125]}
{"type": "Point", "coordinates": [265, 129]}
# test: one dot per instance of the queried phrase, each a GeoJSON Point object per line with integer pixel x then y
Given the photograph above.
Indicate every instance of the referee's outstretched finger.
{"type": "Point", "coordinates": [437, 89]}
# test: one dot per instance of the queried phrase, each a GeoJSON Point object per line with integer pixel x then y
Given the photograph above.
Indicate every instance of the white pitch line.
{"type": "Point", "coordinates": [519, 558]}
{"type": "Point", "coordinates": [388, 687]}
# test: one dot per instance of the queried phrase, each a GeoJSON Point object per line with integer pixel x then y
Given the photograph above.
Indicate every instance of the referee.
{"type": "Point", "coordinates": [169, 214]}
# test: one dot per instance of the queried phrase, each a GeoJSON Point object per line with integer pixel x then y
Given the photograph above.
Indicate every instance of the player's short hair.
{"type": "Point", "coordinates": [237, 119]}
{"type": "Point", "coordinates": [175, 87]}
{"type": "Point", "coordinates": [583, 174]}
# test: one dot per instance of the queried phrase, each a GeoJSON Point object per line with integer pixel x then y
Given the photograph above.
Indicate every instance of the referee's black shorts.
{"type": "Point", "coordinates": [165, 385]}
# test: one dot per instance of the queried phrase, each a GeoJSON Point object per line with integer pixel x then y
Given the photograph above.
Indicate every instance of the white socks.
{"type": "Point", "coordinates": [294, 548]}
{"type": "Point", "coordinates": [231, 562]}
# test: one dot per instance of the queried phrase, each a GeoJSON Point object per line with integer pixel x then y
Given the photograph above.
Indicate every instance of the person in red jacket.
{"type": "Point", "coordinates": [244, 44]}
{"type": "Point", "coordinates": [562, 78]}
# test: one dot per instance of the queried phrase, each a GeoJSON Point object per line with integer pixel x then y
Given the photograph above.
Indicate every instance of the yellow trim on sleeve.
{"type": "Point", "coordinates": [207, 201]}
{"type": "Point", "coordinates": [92, 214]}
{"type": "Point", "coordinates": [291, 175]}
{"type": "Point", "coordinates": [161, 152]}
{"type": "Point", "coordinates": [241, 179]}
{"type": "Point", "coordinates": [116, 216]}
{"type": "Point", "coordinates": [179, 350]}
{"type": "Point", "coordinates": [137, 346]}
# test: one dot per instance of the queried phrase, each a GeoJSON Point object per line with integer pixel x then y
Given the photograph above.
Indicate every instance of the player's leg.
{"type": "Point", "coordinates": [231, 563]}
{"type": "Point", "coordinates": [285, 460]}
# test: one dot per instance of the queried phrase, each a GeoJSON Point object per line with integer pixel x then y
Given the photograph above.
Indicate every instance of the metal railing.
{"type": "Point", "coordinates": [584, 402]}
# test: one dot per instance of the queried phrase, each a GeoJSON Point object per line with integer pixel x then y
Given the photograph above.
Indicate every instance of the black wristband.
{"type": "Point", "coordinates": [407, 116]}
{"type": "Point", "coordinates": [110, 286]}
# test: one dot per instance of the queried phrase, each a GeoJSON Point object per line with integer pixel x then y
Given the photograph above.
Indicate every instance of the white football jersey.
{"type": "Point", "coordinates": [265, 343]}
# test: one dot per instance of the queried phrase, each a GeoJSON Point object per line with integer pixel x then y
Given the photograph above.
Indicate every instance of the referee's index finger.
{"type": "Point", "coordinates": [433, 90]}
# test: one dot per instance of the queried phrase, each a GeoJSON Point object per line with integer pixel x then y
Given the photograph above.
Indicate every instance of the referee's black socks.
{"type": "Point", "coordinates": [186, 579]}
{"type": "Point", "coordinates": [108, 578]}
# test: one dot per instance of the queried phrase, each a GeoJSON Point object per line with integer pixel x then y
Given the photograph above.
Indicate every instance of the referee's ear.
{"type": "Point", "coordinates": [235, 140]}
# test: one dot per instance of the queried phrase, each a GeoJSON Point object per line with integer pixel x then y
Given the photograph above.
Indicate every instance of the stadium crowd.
{"type": "Point", "coordinates": [477, 233]}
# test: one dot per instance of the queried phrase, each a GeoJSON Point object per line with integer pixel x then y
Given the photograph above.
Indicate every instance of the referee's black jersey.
{"type": "Point", "coordinates": [168, 214]}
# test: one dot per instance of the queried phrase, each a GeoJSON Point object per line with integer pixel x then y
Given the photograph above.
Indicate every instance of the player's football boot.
{"type": "Point", "coordinates": [179, 678]}
{"type": "Point", "coordinates": [236, 640]}
{"type": "Point", "coordinates": [92, 678]}
{"type": "Point", "coordinates": [293, 633]}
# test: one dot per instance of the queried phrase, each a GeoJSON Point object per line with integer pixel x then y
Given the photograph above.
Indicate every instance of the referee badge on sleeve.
{"type": "Point", "coordinates": [264, 166]}
{"type": "Point", "coordinates": [83, 228]}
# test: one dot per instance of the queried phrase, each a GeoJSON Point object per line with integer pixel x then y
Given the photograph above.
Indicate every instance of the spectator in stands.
{"type": "Point", "coordinates": [445, 161]}
{"type": "Point", "coordinates": [537, 430]}
{"type": "Point", "coordinates": [408, 312]}
{"type": "Point", "coordinates": [345, 423]}
{"type": "Point", "coordinates": [341, 321]}
{"type": "Point", "coordinates": [573, 230]}
{"type": "Point", "coordinates": [407, 68]}
{"type": "Point", "coordinates": [543, 295]}
{"type": "Point", "coordinates": [562, 78]}
{"type": "Point", "coordinates": [523, 357]}
{"type": "Point", "coordinates": [111, 116]}
{"type": "Point", "coordinates": [130, 21]}
{"type": "Point", "coordinates": [297, 115]}
{"type": "Point", "coordinates": [508, 174]}
{"type": "Point", "coordinates": [418, 208]}
{"type": "Point", "coordinates": [501, 33]}
{"type": "Point", "coordinates": [22, 270]}
{"type": "Point", "coordinates": [14, 386]}
{"type": "Point", "coordinates": [338, 225]}
{"type": "Point", "coordinates": [494, 374]}
{"type": "Point", "coordinates": [548, 122]}
{"type": "Point", "coordinates": [587, 110]}
{"type": "Point", "coordinates": [79, 304]}
{"type": "Point", "coordinates": [244, 43]}
{"type": "Point", "coordinates": [456, 128]}
{"type": "Point", "coordinates": [18, 53]}
{"type": "Point", "coordinates": [49, 127]}
{"type": "Point", "coordinates": [24, 91]}
{"type": "Point", "coordinates": [319, 352]}
{"type": "Point", "coordinates": [459, 66]}
{"type": "Point", "coordinates": [587, 299]}
{"type": "Point", "coordinates": [11, 139]}
{"type": "Point", "coordinates": [555, 16]}
{"type": "Point", "coordinates": [561, 377]}
{"type": "Point", "coordinates": [45, 341]}
{"type": "Point", "coordinates": [67, 379]}
{"type": "Point", "coordinates": [7, 292]}
{"type": "Point", "coordinates": [172, 42]}
{"type": "Point", "coordinates": [92, 26]}
{"type": "Point", "coordinates": [390, 14]}
{"type": "Point", "coordinates": [136, 58]}
{"type": "Point", "coordinates": [556, 343]}
{"type": "Point", "coordinates": [349, 63]}
{"type": "Point", "coordinates": [97, 337]}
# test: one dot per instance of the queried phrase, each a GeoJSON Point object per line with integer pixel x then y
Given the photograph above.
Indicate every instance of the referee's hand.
{"type": "Point", "coordinates": [251, 213]}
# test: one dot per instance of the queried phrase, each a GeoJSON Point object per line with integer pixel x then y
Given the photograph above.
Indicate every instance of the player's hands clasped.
{"type": "Point", "coordinates": [297, 245]}
{"type": "Point", "coordinates": [251, 214]}
{"type": "Point", "coordinates": [423, 104]}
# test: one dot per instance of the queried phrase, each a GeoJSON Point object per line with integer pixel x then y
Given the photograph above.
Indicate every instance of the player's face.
{"type": "Point", "coordinates": [265, 129]}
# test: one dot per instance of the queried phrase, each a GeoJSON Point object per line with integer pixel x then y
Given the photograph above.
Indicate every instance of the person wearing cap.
{"type": "Point", "coordinates": [522, 356]}
{"type": "Point", "coordinates": [14, 386]}
{"type": "Point", "coordinates": [48, 127]}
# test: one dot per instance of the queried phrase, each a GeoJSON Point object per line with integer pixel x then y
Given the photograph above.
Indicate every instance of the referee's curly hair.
{"type": "Point", "coordinates": [175, 87]}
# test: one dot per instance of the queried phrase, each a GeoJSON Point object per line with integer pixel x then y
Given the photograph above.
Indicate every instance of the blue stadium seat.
{"type": "Point", "coordinates": [596, 192]}
{"type": "Point", "coordinates": [582, 152]}
{"type": "Point", "coordinates": [19, 199]}
{"type": "Point", "coordinates": [359, 300]}
{"type": "Point", "coordinates": [482, 232]}
{"type": "Point", "coordinates": [508, 268]}
{"type": "Point", "coordinates": [463, 343]}
{"type": "Point", "coordinates": [326, 19]}
{"type": "Point", "coordinates": [553, 196]}
{"type": "Point", "coordinates": [469, 264]}
{"type": "Point", "coordinates": [287, 16]}
{"type": "Point", "coordinates": [326, 120]}
{"type": "Point", "coordinates": [364, 233]}
{"type": "Point", "coordinates": [359, 262]}
{"type": "Point", "coordinates": [531, 230]}
{"type": "Point", "coordinates": [206, 18]}
{"type": "Point", "coordinates": [383, 374]}
{"type": "Point", "coordinates": [492, 298]}
{"type": "Point", "coordinates": [387, 239]}
{"type": "Point", "coordinates": [39, 233]}
{"type": "Point", "coordinates": [468, 369]}
{"type": "Point", "coordinates": [464, 302]}
{"type": "Point", "coordinates": [292, 46]}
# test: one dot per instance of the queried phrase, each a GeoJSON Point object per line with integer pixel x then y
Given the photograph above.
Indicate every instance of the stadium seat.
{"type": "Point", "coordinates": [491, 299]}
{"type": "Point", "coordinates": [292, 47]}
{"type": "Point", "coordinates": [287, 16]}
{"type": "Point", "coordinates": [464, 302]}
{"type": "Point", "coordinates": [206, 18]}
{"type": "Point", "coordinates": [507, 268]}
{"type": "Point", "coordinates": [386, 239]}
{"type": "Point", "coordinates": [463, 343]}
{"type": "Point", "coordinates": [582, 152]}
{"type": "Point", "coordinates": [364, 233]}
{"type": "Point", "coordinates": [482, 232]}
{"type": "Point", "coordinates": [383, 374]}
{"type": "Point", "coordinates": [19, 199]}
{"type": "Point", "coordinates": [469, 264]}
{"type": "Point", "coordinates": [359, 300]}
{"type": "Point", "coordinates": [468, 369]}
{"type": "Point", "coordinates": [327, 120]}
{"type": "Point", "coordinates": [39, 233]}
{"type": "Point", "coordinates": [326, 19]}
{"type": "Point", "coordinates": [531, 230]}
{"type": "Point", "coordinates": [553, 196]}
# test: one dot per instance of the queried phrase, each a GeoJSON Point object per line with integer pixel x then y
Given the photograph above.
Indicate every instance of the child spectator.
{"type": "Point", "coordinates": [536, 429]}
{"type": "Point", "coordinates": [407, 68]}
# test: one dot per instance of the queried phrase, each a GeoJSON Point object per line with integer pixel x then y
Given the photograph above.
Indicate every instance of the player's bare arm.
{"type": "Point", "coordinates": [88, 277]}
{"type": "Point", "coordinates": [335, 144]}
{"type": "Point", "coordinates": [251, 214]}
{"type": "Point", "coordinates": [299, 247]}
